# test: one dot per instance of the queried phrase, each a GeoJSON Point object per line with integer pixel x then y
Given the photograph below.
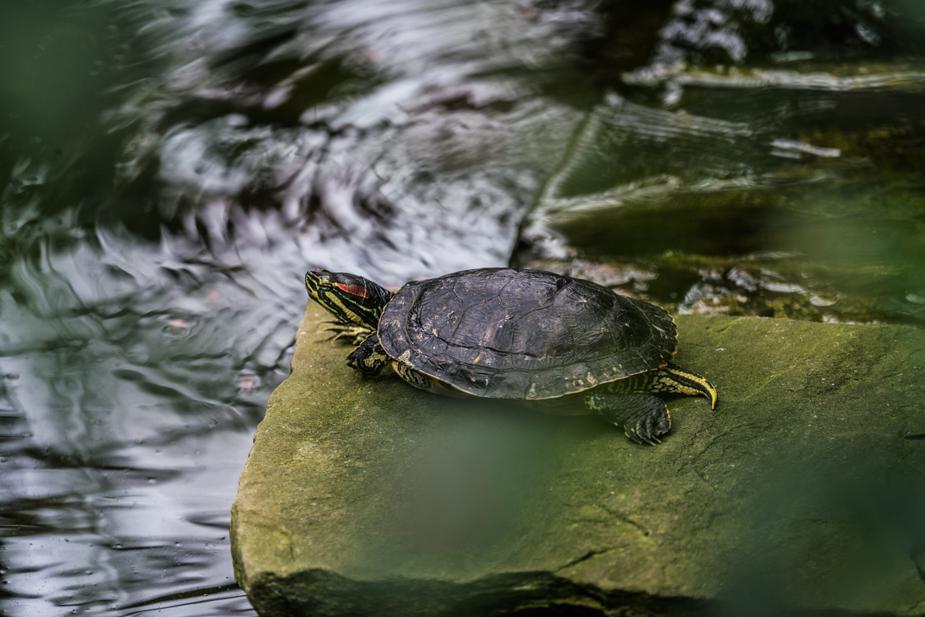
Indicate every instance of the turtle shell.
{"type": "Point", "coordinates": [523, 334]}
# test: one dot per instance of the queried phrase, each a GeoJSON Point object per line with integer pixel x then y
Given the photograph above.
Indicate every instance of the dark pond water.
{"type": "Point", "coordinates": [169, 169]}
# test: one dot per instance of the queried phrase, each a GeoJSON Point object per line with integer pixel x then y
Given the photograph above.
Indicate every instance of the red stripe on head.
{"type": "Point", "coordinates": [354, 290]}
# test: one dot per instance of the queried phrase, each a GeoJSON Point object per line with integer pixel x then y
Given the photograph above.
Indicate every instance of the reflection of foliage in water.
{"type": "Point", "coordinates": [724, 31]}
{"type": "Point", "coordinates": [790, 189]}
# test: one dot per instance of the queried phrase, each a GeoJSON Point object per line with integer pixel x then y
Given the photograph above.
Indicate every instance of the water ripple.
{"type": "Point", "coordinates": [170, 170]}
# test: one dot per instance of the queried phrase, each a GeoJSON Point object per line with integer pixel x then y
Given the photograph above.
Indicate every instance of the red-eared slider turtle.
{"type": "Point", "coordinates": [516, 334]}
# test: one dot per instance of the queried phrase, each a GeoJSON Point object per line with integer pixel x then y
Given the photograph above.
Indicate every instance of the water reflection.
{"type": "Point", "coordinates": [169, 170]}
{"type": "Point", "coordinates": [803, 201]}
{"type": "Point", "coordinates": [152, 267]}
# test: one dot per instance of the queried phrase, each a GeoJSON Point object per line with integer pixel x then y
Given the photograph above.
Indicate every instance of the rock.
{"type": "Point", "coordinates": [805, 489]}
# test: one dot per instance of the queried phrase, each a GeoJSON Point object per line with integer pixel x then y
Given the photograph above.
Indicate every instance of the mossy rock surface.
{"type": "Point", "coordinates": [807, 489]}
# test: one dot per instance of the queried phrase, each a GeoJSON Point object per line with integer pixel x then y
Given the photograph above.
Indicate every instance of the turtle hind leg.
{"type": "Point", "coordinates": [676, 380]}
{"type": "Point", "coordinates": [643, 417]}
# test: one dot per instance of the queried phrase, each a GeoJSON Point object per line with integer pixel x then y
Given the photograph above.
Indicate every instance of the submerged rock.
{"type": "Point", "coordinates": [805, 490]}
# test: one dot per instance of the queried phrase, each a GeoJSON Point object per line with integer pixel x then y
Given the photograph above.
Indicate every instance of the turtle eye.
{"type": "Point", "coordinates": [353, 290]}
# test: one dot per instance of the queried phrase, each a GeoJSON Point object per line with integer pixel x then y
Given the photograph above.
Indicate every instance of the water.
{"type": "Point", "coordinates": [170, 169]}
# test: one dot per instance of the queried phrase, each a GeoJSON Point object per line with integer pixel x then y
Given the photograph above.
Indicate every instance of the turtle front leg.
{"type": "Point", "coordinates": [347, 333]}
{"type": "Point", "coordinates": [369, 358]}
{"type": "Point", "coordinates": [643, 417]}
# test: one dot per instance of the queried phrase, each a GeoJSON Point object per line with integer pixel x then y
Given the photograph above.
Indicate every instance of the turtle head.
{"type": "Point", "coordinates": [351, 299]}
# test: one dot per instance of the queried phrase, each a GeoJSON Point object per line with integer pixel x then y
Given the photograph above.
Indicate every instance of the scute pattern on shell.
{"type": "Point", "coordinates": [523, 334]}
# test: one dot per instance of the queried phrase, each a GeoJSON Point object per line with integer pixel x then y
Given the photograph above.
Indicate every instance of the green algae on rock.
{"type": "Point", "coordinates": [369, 497]}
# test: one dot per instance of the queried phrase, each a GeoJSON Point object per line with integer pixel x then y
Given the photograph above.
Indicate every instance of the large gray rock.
{"type": "Point", "coordinates": [806, 489]}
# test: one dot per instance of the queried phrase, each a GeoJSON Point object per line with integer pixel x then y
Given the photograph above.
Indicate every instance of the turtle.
{"type": "Point", "coordinates": [506, 333]}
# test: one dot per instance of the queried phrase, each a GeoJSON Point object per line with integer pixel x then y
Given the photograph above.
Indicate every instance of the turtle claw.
{"type": "Point", "coordinates": [651, 441]}
{"type": "Point", "coordinates": [347, 333]}
{"type": "Point", "coordinates": [633, 435]}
